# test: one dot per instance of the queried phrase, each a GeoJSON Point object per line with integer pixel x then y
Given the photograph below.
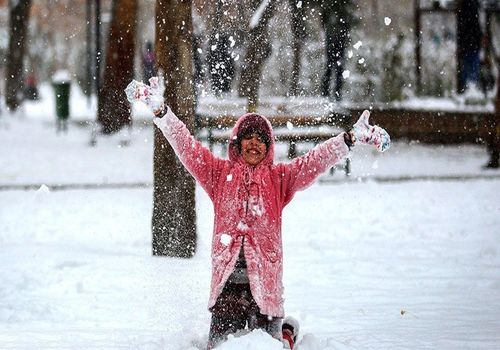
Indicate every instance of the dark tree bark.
{"type": "Point", "coordinates": [299, 34]}
{"type": "Point", "coordinates": [494, 138]}
{"type": "Point", "coordinates": [174, 215]}
{"type": "Point", "coordinates": [258, 50]}
{"type": "Point", "coordinates": [113, 107]}
{"type": "Point", "coordinates": [18, 31]}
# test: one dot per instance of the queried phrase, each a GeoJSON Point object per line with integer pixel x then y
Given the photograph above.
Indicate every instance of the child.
{"type": "Point", "coordinates": [249, 192]}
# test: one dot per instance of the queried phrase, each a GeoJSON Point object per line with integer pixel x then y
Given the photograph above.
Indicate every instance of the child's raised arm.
{"type": "Point", "coordinates": [302, 171]}
{"type": "Point", "coordinates": [197, 159]}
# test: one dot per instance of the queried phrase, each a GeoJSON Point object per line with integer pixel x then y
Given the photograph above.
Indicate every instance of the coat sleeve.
{"type": "Point", "coordinates": [302, 171]}
{"type": "Point", "coordinates": [196, 158]}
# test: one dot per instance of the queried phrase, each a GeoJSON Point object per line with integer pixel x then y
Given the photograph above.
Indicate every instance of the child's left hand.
{"type": "Point", "coordinates": [364, 133]}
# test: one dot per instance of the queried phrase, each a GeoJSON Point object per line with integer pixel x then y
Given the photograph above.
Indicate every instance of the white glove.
{"type": "Point", "coordinates": [364, 133]}
{"type": "Point", "coordinates": [151, 95]}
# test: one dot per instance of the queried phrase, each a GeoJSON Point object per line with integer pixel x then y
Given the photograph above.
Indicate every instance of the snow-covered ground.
{"type": "Point", "coordinates": [369, 264]}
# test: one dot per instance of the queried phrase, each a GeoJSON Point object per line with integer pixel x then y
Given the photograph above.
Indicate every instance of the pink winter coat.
{"type": "Point", "coordinates": [248, 203]}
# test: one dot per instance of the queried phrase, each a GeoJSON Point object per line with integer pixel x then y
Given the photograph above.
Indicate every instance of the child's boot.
{"type": "Point", "coordinates": [290, 331]}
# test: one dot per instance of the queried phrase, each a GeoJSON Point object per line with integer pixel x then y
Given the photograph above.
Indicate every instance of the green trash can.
{"type": "Point", "coordinates": [62, 89]}
{"type": "Point", "coordinates": [62, 86]}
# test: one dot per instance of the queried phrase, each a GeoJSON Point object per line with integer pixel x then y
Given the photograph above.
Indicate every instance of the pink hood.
{"type": "Point", "coordinates": [248, 203]}
{"type": "Point", "coordinates": [263, 124]}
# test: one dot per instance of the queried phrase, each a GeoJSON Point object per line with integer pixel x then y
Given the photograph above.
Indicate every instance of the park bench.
{"type": "Point", "coordinates": [461, 124]}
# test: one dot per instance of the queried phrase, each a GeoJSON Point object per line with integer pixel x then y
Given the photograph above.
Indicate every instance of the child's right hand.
{"type": "Point", "coordinates": [151, 95]}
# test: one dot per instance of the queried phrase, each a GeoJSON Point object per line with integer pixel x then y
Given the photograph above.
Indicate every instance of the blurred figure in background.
{"type": "Point", "coordinates": [337, 20]}
{"type": "Point", "coordinates": [31, 89]}
{"type": "Point", "coordinates": [468, 44]}
{"type": "Point", "coordinates": [148, 61]}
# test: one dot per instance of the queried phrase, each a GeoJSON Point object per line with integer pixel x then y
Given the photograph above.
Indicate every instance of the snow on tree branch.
{"type": "Point", "coordinates": [255, 20]}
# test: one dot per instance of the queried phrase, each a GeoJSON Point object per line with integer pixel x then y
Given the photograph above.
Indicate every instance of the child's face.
{"type": "Point", "coordinates": [253, 149]}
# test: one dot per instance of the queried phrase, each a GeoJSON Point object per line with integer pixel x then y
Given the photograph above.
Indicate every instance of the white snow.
{"type": "Point", "coordinates": [257, 339]}
{"type": "Point", "coordinates": [257, 15]}
{"type": "Point", "coordinates": [387, 21]}
{"type": "Point", "coordinates": [225, 239]}
{"type": "Point", "coordinates": [368, 264]}
{"type": "Point", "coordinates": [61, 76]}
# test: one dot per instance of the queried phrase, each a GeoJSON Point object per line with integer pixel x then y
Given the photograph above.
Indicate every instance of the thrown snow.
{"type": "Point", "coordinates": [357, 45]}
{"type": "Point", "coordinates": [254, 21]}
{"type": "Point", "coordinates": [387, 21]}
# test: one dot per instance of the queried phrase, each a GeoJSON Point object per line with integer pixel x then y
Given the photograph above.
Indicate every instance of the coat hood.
{"type": "Point", "coordinates": [251, 121]}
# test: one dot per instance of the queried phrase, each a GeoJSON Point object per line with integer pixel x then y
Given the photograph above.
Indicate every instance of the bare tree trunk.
{"type": "Point", "coordinates": [494, 143]}
{"type": "Point", "coordinates": [113, 108]}
{"type": "Point", "coordinates": [174, 215]}
{"type": "Point", "coordinates": [493, 140]}
{"type": "Point", "coordinates": [18, 30]}
{"type": "Point", "coordinates": [258, 50]}
{"type": "Point", "coordinates": [299, 33]}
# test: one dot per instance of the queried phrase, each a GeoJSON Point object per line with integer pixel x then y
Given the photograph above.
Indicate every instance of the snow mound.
{"type": "Point", "coordinates": [61, 76]}
{"type": "Point", "coordinates": [259, 340]}
{"type": "Point", "coordinates": [255, 340]}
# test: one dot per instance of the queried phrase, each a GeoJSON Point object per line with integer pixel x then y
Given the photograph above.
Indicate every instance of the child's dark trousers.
{"type": "Point", "coordinates": [234, 310]}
